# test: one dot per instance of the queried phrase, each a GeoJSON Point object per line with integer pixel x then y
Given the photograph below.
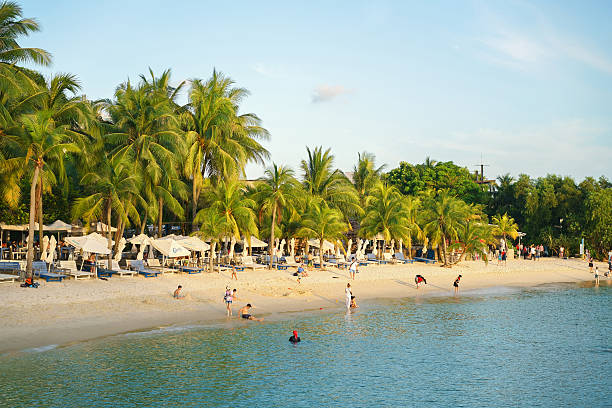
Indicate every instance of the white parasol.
{"type": "Point", "coordinates": [51, 253]}
{"type": "Point", "coordinates": [120, 249]}
{"type": "Point", "coordinates": [43, 248]}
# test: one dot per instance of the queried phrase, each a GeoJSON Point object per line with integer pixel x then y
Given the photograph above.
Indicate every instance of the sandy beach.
{"type": "Point", "coordinates": [61, 313]}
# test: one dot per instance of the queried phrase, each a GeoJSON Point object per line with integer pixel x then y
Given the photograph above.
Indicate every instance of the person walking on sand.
{"type": "Point", "coordinates": [456, 283]}
{"type": "Point", "coordinates": [591, 264]}
{"type": "Point", "coordinates": [245, 313]}
{"type": "Point", "coordinates": [353, 269]}
{"type": "Point", "coordinates": [234, 276]}
{"type": "Point", "coordinates": [596, 276]}
{"type": "Point", "coordinates": [228, 299]}
{"type": "Point", "coordinates": [348, 294]}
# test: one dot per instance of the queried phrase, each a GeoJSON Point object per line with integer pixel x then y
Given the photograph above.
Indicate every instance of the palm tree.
{"type": "Point", "coordinates": [148, 134]}
{"type": "Point", "coordinates": [505, 226]}
{"type": "Point", "coordinates": [365, 174]}
{"type": "Point", "coordinates": [278, 191]}
{"type": "Point", "coordinates": [385, 214]}
{"type": "Point", "coordinates": [323, 223]}
{"type": "Point", "coordinates": [214, 227]}
{"type": "Point", "coordinates": [112, 182]}
{"type": "Point", "coordinates": [220, 141]}
{"type": "Point", "coordinates": [442, 217]}
{"type": "Point", "coordinates": [12, 27]}
{"type": "Point", "coordinates": [41, 145]}
{"type": "Point", "coordinates": [412, 206]}
{"type": "Point", "coordinates": [473, 239]}
{"type": "Point", "coordinates": [332, 186]}
{"type": "Point", "coordinates": [227, 199]}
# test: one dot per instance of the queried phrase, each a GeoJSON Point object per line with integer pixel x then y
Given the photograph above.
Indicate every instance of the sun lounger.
{"type": "Point", "coordinates": [10, 267]}
{"type": "Point", "coordinates": [372, 259]}
{"type": "Point", "coordinates": [156, 265]}
{"type": "Point", "coordinates": [138, 266]}
{"type": "Point", "coordinates": [40, 270]}
{"type": "Point", "coordinates": [191, 270]}
{"type": "Point", "coordinates": [121, 272]}
{"type": "Point", "coordinates": [388, 258]}
{"type": "Point", "coordinates": [7, 278]}
{"type": "Point", "coordinates": [70, 269]}
{"type": "Point", "coordinates": [400, 258]}
{"type": "Point", "coordinates": [426, 260]}
{"type": "Point", "coordinates": [248, 263]}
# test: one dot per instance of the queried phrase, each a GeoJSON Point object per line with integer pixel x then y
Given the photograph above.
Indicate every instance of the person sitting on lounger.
{"type": "Point", "coordinates": [245, 313]}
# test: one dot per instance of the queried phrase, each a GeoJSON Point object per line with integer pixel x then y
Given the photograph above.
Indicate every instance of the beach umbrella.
{"type": "Point", "coordinates": [120, 249]}
{"type": "Point", "coordinates": [43, 248]}
{"type": "Point", "coordinates": [169, 248]}
{"type": "Point", "coordinates": [292, 246]}
{"type": "Point", "coordinates": [141, 250]}
{"type": "Point", "coordinates": [133, 249]}
{"type": "Point", "coordinates": [51, 254]}
{"type": "Point", "coordinates": [93, 243]}
{"type": "Point", "coordinates": [256, 242]}
{"type": "Point", "coordinates": [194, 244]}
{"type": "Point", "coordinates": [349, 245]}
{"type": "Point", "coordinates": [102, 227]}
{"type": "Point", "coordinates": [392, 246]}
{"type": "Point", "coordinates": [282, 248]}
{"type": "Point", "coordinates": [401, 246]}
{"type": "Point", "coordinates": [140, 239]}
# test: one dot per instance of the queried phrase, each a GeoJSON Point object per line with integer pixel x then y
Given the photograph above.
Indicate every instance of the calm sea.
{"type": "Point", "coordinates": [502, 347]}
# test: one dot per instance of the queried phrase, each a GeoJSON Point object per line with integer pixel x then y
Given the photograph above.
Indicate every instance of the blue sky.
{"type": "Point", "coordinates": [527, 85]}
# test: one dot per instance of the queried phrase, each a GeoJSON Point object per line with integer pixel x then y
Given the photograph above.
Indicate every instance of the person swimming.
{"type": "Point", "coordinates": [418, 279]}
{"type": "Point", "coordinates": [294, 338]}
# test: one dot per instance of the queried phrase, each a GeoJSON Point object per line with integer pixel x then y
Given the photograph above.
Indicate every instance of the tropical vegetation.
{"type": "Point", "coordinates": [140, 160]}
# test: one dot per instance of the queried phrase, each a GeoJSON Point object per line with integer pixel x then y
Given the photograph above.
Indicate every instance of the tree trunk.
{"type": "Point", "coordinates": [159, 218]}
{"type": "Point", "coordinates": [30, 255]}
{"type": "Point", "coordinates": [40, 213]}
{"type": "Point", "coordinates": [119, 233]}
{"type": "Point", "coordinates": [194, 209]}
{"type": "Point", "coordinates": [212, 255]}
{"type": "Point", "coordinates": [321, 253]}
{"type": "Point", "coordinates": [144, 223]}
{"type": "Point", "coordinates": [109, 234]}
{"type": "Point", "coordinates": [271, 246]}
{"type": "Point", "coordinates": [409, 247]}
{"type": "Point", "coordinates": [444, 251]}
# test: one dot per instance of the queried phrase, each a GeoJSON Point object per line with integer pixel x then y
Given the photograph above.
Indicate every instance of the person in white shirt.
{"type": "Point", "coordinates": [348, 294]}
{"type": "Point", "coordinates": [353, 269]}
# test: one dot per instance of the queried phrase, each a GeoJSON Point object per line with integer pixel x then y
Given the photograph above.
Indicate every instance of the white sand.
{"type": "Point", "coordinates": [60, 313]}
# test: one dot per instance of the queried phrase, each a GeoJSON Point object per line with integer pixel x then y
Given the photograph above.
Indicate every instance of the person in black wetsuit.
{"type": "Point", "coordinates": [294, 338]}
{"type": "Point", "coordinates": [418, 279]}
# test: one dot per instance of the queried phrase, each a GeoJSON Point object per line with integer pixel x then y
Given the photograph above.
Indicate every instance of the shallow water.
{"type": "Point", "coordinates": [503, 347]}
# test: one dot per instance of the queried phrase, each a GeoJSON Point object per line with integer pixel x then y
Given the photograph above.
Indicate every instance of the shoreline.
{"type": "Point", "coordinates": [60, 314]}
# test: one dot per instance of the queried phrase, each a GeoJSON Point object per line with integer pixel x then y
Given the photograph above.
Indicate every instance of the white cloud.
{"type": "Point", "coordinates": [270, 71]}
{"type": "Point", "coordinates": [324, 93]}
{"type": "Point", "coordinates": [538, 44]}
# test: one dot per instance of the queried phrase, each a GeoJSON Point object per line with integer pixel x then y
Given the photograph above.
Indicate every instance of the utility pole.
{"type": "Point", "coordinates": [482, 166]}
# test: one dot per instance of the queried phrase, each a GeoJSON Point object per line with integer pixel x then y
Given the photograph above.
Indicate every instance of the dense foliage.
{"type": "Point", "coordinates": [142, 160]}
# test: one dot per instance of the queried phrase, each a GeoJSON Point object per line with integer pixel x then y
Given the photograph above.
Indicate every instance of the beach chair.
{"type": "Point", "coordinates": [138, 265]}
{"type": "Point", "coordinates": [400, 258]}
{"type": "Point", "coordinates": [117, 270]}
{"type": "Point", "coordinates": [426, 260]}
{"type": "Point", "coordinates": [70, 269]}
{"type": "Point", "coordinates": [372, 259]}
{"type": "Point", "coordinates": [191, 270]}
{"type": "Point", "coordinates": [39, 269]}
{"type": "Point", "coordinates": [388, 258]}
{"type": "Point", "coordinates": [9, 267]}
{"type": "Point", "coordinates": [248, 263]}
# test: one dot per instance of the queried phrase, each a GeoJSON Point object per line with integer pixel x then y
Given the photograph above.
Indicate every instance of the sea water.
{"type": "Point", "coordinates": [548, 346]}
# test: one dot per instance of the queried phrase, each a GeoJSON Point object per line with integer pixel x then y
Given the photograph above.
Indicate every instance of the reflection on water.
{"type": "Point", "coordinates": [546, 346]}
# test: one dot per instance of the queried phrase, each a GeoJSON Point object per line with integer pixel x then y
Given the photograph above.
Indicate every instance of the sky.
{"type": "Point", "coordinates": [526, 86]}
